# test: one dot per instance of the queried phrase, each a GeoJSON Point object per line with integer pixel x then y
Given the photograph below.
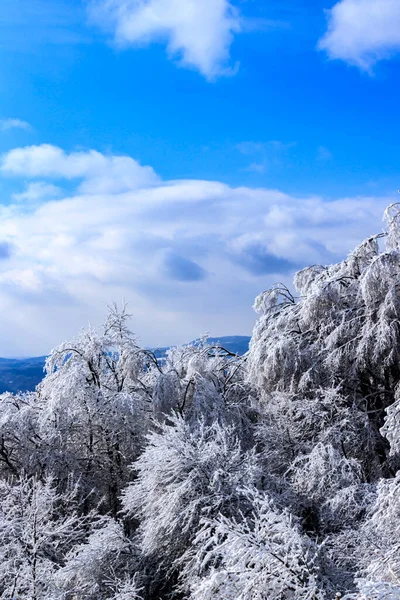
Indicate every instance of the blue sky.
{"type": "Point", "coordinates": [185, 156]}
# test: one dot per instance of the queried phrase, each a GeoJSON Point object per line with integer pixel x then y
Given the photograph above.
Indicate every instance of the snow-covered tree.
{"type": "Point", "coordinates": [329, 361]}
{"type": "Point", "coordinates": [100, 567]}
{"type": "Point", "coordinates": [127, 589]}
{"type": "Point", "coordinates": [368, 590]}
{"type": "Point", "coordinates": [341, 331]}
{"type": "Point", "coordinates": [22, 449]}
{"type": "Point", "coordinates": [391, 427]}
{"type": "Point", "coordinates": [201, 382]}
{"type": "Point", "coordinates": [326, 365]}
{"type": "Point", "coordinates": [380, 537]}
{"type": "Point", "coordinates": [95, 408]}
{"type": "Point", "coordinates": [38, 527]}
{"type": "Point", "coordinates": [261, 556]}
{"type": "Point", "coordinates": [183, 476]}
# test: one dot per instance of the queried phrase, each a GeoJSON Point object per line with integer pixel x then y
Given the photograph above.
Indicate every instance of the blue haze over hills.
{"type": "Point", "coordinates": [24, 374]}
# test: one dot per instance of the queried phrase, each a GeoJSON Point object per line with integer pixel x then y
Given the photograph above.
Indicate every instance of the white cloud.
{"type": "Point", "coordinates": [100, 172]}
{"type": "Point", "coordinates": [198, 33]}
{"type": "Point", "coordinates": [189, 256]}
{"type": "Point", "coordinates": [362, 32]}
{"type": "Point", "coordinates": [7, 124]}
{"type": "Point", "coordinates": [38, 190]}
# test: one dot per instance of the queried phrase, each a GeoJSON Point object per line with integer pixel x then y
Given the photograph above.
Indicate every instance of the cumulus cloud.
{"type": "Point", "coordinates": [38, 190]}
{"type": "Point", "coordinates": [7, 124]}
{"type": "Point", "coordinates": [362, 32]}
{"type": "Point", "coordinates": [189, 256]}
{"type": "Point", "coordinates": [99, 172]}
{"type": "Point", "coordinates": [198, 33]}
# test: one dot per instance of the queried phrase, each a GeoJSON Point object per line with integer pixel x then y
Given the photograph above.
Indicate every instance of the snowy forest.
{"type": "Point", "coordinates": [209, 476]}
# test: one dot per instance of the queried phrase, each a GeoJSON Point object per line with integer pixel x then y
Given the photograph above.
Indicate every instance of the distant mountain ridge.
{"type": "Point", "coordinates": [237, 344]}
{"type": "Point", "coordinates": [24, 374]}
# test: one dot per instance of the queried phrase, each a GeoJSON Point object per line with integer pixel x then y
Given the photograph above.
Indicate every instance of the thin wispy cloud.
{"type": "Point", "coordinates": [362, 32]}
{"type": "Point", "coordinates": [324, 154]}
{"type": "Point", "coordinates": [7, 124]}
{"type": "Point", "coordinates": [28, 25]}
{"type": "Point", "coordinates": [197, 34]}
{"type": "Point", "coordinates": [263, 155]}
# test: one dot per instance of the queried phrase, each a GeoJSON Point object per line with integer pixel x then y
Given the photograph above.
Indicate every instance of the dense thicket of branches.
{"type": "Point", "coordinates": [274, 476]}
